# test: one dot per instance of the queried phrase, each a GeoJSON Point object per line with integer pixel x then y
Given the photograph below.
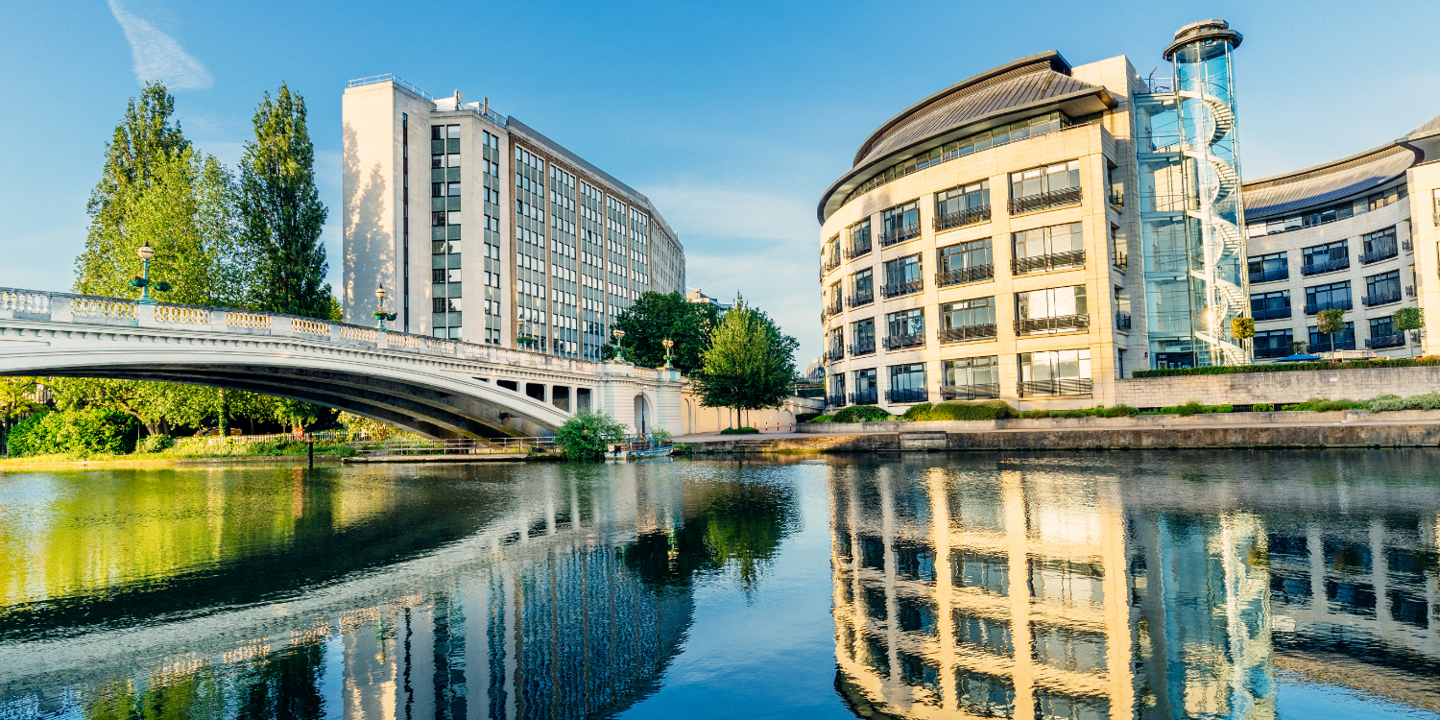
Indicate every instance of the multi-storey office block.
{"type": "Point", "coordinates": [490, 231]}
{"type": "Point", "coordinates": [1356, 234]}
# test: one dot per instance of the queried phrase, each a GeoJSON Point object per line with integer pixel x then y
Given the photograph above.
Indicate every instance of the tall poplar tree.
{"type": "Point", "coordinates": [750, 363]}
{"type": "Point", "coordinates": [281, 210]}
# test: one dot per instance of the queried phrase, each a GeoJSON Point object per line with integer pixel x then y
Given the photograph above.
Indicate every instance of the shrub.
{"type": "Point", "coordinates": [862, 413]}
{"type": "Point", "coordinates": [1098, 411]}
{"type": "Point", "coordinates": [820, 419]}
{"type": "Point", "coordinates": [661, 436]}
{"type": "Point", "coordinates": [1427, 361]}
{"type": "Point", "coordinates": [1192, 407]}
{"type": "Point", "coordinates": [740, 431]}
{"type": "Point", "coordinates": [1385, 403]}
{"type": "Point", "coordinates": [966, 410]}
{"type": "Point", "coordinates": [585, 435]}
{"type": "Point", "coordinates": [1319, 405]}
{"type": "Point", "coordinates": [29, 436]}
{"type": "Point", "coordinates": [156, 443]}
{"type": "Point", "coordinates": [917, 412]}
{"type": "Point", "coordinates": [92, 431]}
{"type": "Point", "coordinates": [1262, 407]}
{"type": "Point", "coordinates": [808, 417]}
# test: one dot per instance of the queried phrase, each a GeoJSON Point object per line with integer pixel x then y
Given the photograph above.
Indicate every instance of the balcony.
{"type": "Point", "coordinates": [1325, 267]}
{"type": "Point", "coordinates": [899, 235]}
{"type": "Point", "coordinates": [1270, 276]}
{"type": "Point", "coordinates": [1315, 308]}
{"type": "Point", "coordinates": [833, 308]}
{"type": "Point", "coordinates": [836, 353]}
{"type": "Point", "coordinates": [1386, 341]}
{"type": "Point", "coordinates": [1407, 245]}
{"type": "Point", "coordinates": [1063, 323]}
{"type": "Point", "coordinates": [961, 218]}
{"type": "Point", "coordinates": [970, 392]}
{"type": "Point", "coordinates": [1273, 352]}
{"type": "Point", "coordinates": [908, 287]}
{"type": "Point", "coordinates": [1385, 252]}
{"type": "Point", "coordinates": [830, 265]}
{"type": "Point", "coordinates": [968, 332]}
{"type": "Point", "coordinates": [1067, 386]}
{"type": "Point", "coordinates": [1382, 298]}
{"type": "Point", "coordinates": [863, 347]}
{"type": "Point", "coordinates": [861, 298]}
{"type": "Point", "coordinates": [900, 342]}
{"type": "Point", "coordinates": [1271, 313]}
{"type": "Point", "coordinates": [1117, 199]}
{"type": "Point", "coordinates": [907, 395]}
{"type": "Point", "coordinates": [865, 397]}
{"type": "Point", "coordinates": [975, 273]}
{"type": "Point", "coordinates": [1045, 201]}
{"type": "Point", "coordinates": [1120, 260]}
{"type": "Point", "coordinates": [835, 400]}
{"type": "Point", "coordinates": [1049, 261]}
{"type": "Point", "coordinates": [1122, 321]}
{"type": "Point", "coordinates": [857, 249]}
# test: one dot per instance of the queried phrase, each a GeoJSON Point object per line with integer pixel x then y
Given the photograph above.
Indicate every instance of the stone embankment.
{"type": "Point", "coordinates": [1350, 428]}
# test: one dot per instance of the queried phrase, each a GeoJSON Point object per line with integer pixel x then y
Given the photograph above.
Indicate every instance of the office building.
{"type": "Point", "coordinates": [484, 230]}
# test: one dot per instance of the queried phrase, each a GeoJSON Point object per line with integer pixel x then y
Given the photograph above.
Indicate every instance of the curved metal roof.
{"type": "Point", "coordinates": [993, 97]}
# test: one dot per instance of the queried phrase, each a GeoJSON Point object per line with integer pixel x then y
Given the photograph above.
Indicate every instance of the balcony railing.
{"type": "Point", "coordinates": [961, 218]}
{"type": "Point", "coordinates": [974, 273]}
{"type": "Point", "coordinates": [1386, 341]}
{"type": "Point", "coordinates": [863, 347]}
{"type": "Point", "coordinates": [1385, 252]}
{"type": "Point", "coordinates": [1122, 321]}
{"type": "Point", "coordinates": [1120, 260]}
{"type": "Point", "coordinates": [1315, 308]}
{"type": "Point", "coordinates": [1067, 386]}
{"type": "Point", "coordinates": [968, 332]}
{"type": "Point", "coordinates": [861, 298]}
{"type": "Point", "coordinates": [1279, 313]}
{"type": "Point", "coordinates": [858, 249]}
{"type": "Point", "coordinates": [830, 264]}
{"type": "Point", "coordinates": [1407, 245]}
{"type": "Point", "coordinates": [1409, 291]}
{"type": "Point", "coordinates": [909, 287]}
{"type": "Point", "coordinates": [1273, 352]}
{"type": "Point", "coordinates": [970, 392]}
{"type": "Point", "coordinates": [1117, 199]}
{"type": "Point", "coordinates": [836, 353]}
{"type": "Point", "coordinates": [899, 235]}
{"type": "Point", "coordinates": [907, 395]}
{"type": "Point", "coordinates": [834, 307]}
{"type": "Point", "coordinates": [1044, 201]}
{"type": "Point", "coordinates": [1325, 267]}
{"type": "Point", "coordinates": [865, 397]}
{"type": "Point", "coordinates": [1051, 324]}
{"type": "Point", "coordinates": [1382, 298]}
{"type": "Point", "coordinates": [835, 400]}
{"type": "Point", "coordinates": [1049, 261]}
{"type": "Point", "coordinates": [1270, 276]}
{"type": "Point", "coordinates": [899, 342]}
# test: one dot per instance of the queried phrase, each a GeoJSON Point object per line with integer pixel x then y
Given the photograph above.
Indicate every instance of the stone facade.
{"type": "Point", "coordinates": [1277, 388]}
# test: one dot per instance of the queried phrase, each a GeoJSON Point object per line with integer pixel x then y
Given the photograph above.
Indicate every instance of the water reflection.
{"type": "Point", "coordinates": [1087, 587]}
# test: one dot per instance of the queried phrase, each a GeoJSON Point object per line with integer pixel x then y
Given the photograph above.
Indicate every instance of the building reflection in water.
{"type": "Point", "coordinates": [1055, 589]}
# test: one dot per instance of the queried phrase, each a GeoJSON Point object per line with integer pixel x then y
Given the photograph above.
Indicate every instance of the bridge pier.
{"type": "Point", "coordinates": [640, 398]}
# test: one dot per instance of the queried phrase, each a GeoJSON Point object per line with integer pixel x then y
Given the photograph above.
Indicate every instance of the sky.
{"type": "Point", "coordinates": [732, 117]}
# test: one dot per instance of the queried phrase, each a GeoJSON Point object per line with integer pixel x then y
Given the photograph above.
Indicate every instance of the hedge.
{"type": "Point", "coordinates": [1428, 361]}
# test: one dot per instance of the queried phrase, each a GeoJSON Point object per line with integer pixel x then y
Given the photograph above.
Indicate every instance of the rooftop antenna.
{"type": "Point", "coordinates": [487, 106]}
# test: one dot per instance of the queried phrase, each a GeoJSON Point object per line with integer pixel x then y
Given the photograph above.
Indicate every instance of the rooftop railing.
{"type": "Point", "coordinates": [389, 77]}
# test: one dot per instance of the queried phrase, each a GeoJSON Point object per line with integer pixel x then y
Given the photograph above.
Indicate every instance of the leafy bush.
{"type": "Point", "coordinates": [808, 417]}
{"type": "Point", "coordinates": [1427, 361]}
{"type": "Point", "coordinates": [1098, 411]}
{"type": "Point", "coordinates": [1192, 408]}
{"type": "Point", "coordinates": [820, 419]}
{"type": "Point", "coordinates": [27, 438]}
{"type": "Point", "coordinates": [862, 413]}
{"type": "Point", "coordinates": [155, 443]}
{"type": "Point", "coordinates": [968, 410]}
{"type": "Point", "coordinates": [1262, 407]}
{"type": "Point", "coordinates": [1384, 403]}
{"type": "Point", "coordinates": [740, 431]}
{"type": "Point", "coordinates": [661, 436]}
{"type": "Point", "coordinates": [92, 431]}
{"type": "Point", "coordinates": [1319, 405]}
{"type": "Point", "coordinates": [585, 435]}
{"type": "Point", "coordinates": [917, 412]}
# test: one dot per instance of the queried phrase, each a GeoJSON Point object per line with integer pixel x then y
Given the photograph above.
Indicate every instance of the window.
{"type": "Point", "coordinates": [1384, 334]}
{"type": "Point", "coordinates": [967, 320]}
{"type": "Point", "coordinates": [964, 205]}
{"type": "Point", "coordinates": [988, 573]}
{"type": "Point", "coordinates": [902, 276]}
{"type": "Point", "coordinates": [1042, 188]}
{"type": "Point", "coordinates": [971, 378]}
{"type": "Point", "coordinates": [1343, 340]}
{"type": "Point", "coordinates": [1070, 582]}
{"type": "Point", "coordinates": [1069, 649]}
{"type": "Point", "coordinates": [987, 633]}
{"type": "Point", "coordinates": [1269, 268]}
{"type": "Point", "coordinates": [907, 384]}
{"type": "Point", "coordinates": [1274, 343]}
{"type": "Point", "coordinates": [862, 285]}
{"type": "Point", "coordinates": [1270, 306]}
{"type": "Point", "coordinates": [867, 390]}
{"type": "Point", "coordinates": [1325, 297]}
{"type": "Point", "coordinates": [900, 223]}
{"type": "Point", "coordinates": [1382, 289]}
{"type": "Point", "coordinates": [1328, 214]}
{"type": "Point", "coordinates": [1059, 309]}
{"type": "Point", "coordinates": [1325, 258]}
{"type": "Point", "coordinates": [984, 695]}
{"type": "Point", "coordinates": [965, 263]}
{"type": "Point", "coordinates": [863, 332]}
{"type": "Point", "coordinates": [1379, 245]}
{"type": "Point", "coordinates": [859, 239]}
{"type": "Point", "coordinates": [1057, 372]}
{"type": "Point", "coordinates": [905, 329]}
{"type": "Point", "coordinates": [1048, 248]}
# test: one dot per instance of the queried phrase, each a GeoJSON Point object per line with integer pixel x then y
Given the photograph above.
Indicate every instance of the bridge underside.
{"type": "Point", "coordinates": [419, 408]}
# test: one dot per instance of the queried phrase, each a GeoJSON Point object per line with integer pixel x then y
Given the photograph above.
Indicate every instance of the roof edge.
{"type": "Point", "coordinates": [1296, 175]}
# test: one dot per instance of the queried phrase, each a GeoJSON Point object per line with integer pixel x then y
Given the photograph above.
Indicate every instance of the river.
{"type": "Point", "coordinates": [929, 586]}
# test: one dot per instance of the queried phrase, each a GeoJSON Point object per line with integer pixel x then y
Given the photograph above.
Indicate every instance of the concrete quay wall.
{"type": "Point", "coordinates": [1277, 388]}
{"type": "Point", "coordinates": [1139, 421]}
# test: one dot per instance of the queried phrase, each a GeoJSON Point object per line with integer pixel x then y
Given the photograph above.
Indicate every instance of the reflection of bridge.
{"type": "Point", "coordinates": [438, 388]}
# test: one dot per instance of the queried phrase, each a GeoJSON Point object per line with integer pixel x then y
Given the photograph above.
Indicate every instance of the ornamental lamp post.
{"type": "Point", "coordinates": [668, 343]}
{"type": "Point", "coordinates": [380, 314]}
{"type": "Point", "coordinates": [523, 337]}
{"type": "Point", "coordinates": [143, 282]}
{"type": "Point", "coordinates": [619, 352]}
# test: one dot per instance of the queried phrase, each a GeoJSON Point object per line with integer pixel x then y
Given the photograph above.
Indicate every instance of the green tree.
{"type": "Point", "coordinates": [1329, 322]}
{"type": "Point", "coordinates": [585, 435]}
{"type": "Point", "coordinates": [1409, 319]}
{"type": "Point", "coordinates": [281, 210]}
{"type": "Point", "coordinates": [750, 363]}
{"type": "Point", "coordinates": [657, 316]}
{"type": "Point", "coordinates": [17, 399]}
{"type": "Point", "coordinates": [1242, 329]}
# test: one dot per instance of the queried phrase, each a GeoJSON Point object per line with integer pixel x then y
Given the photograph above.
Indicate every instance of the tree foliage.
{"type": "Point", "coordinates": [281, 210]}
{"type": "Point", "coordinates": [94, 431]}
{"type": "Point", "coordinates": [1329, 322]}
{"type": "Point", "coordinates": [1242, 328]}
{"type": "Point", "coordinates": [750, 363]}
{"type": "Point", "coordinates": [1408, 318]}
{"type": "Point", "coordinates": [657, 316]}
{"type": "Point", "coordinates": [585, 435]}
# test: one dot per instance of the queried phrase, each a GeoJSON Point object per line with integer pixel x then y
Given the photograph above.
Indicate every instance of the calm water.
{"type": "Point", "coordinates": [1084, 586]}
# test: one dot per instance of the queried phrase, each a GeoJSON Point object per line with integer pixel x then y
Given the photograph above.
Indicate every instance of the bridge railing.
{"type": "Point", "coordinates": [38, 305]}
{"type": "Point", "coordinates": [522, 445]}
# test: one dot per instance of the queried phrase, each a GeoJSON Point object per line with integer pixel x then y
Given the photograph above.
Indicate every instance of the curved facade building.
{"type": "Point", "coordinates": [1359, 234]}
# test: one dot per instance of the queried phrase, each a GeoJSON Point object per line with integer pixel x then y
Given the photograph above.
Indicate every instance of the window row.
{"type": "Point", "coordinates": [1280, 343]}
{"type": "Point", "coordinates": [1326, 257]}
{"type": "Point", "coordinates": [1049, 373]}
{"type": "Point", "coordinates": [1037, 312]}
{"type": "Point", "coordinates": [1328, 214]}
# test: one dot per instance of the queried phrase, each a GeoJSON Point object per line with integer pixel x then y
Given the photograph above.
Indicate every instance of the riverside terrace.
{"type": "Point", "coordinates": [433, 387]}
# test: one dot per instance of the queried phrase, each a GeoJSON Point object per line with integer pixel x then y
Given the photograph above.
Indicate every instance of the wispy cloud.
{"type": "Point", "coordinates": [158, 56]}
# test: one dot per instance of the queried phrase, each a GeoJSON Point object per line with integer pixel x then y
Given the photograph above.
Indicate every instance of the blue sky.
{"type": "Point", "coordinates": [733, 117]}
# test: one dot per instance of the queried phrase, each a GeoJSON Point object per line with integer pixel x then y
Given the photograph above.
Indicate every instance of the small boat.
{"type": "Point", "coordinates": [654, 452]}
{"type": "Point", "coordinates": [639, 449]}
{"type": "Point", "coordinates": [617, 452]}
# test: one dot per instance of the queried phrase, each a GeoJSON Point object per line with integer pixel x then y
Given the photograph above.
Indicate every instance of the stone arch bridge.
{"type": "Point", "coordinates": [433, 387]}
